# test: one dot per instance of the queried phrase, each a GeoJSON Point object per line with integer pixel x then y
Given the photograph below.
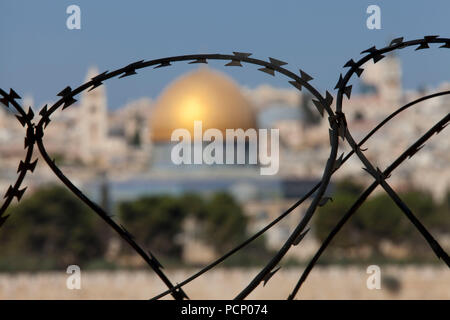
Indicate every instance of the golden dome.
{"type": "Point", "coordinates": [206, 95]}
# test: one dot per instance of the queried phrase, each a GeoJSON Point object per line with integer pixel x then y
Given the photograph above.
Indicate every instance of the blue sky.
{"type": "Point", "coordinates": [39, 56]}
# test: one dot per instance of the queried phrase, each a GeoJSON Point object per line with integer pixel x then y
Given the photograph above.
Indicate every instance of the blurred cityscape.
{"type": "Point", "coordinates": [120, 156]}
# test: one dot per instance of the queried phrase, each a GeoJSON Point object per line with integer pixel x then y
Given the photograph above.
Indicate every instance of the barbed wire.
{"type": "Point", "coordinates": [25, 165]}
{"type": "Point", "coordinates": [340, 162]}
{"type": "Point", "coordinates": [356, 68]}
{"type": "Point", "coordinates": [67, 99]}
{"type": "Point", "coordinates": [436, 129]}
{"type": "Point", "coordinates": [340, 130]}
{"type": "Point", "coordinates": [337, 129]}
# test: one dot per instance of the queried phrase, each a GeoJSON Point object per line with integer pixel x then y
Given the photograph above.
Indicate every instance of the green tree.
{"type": "Point", "coordinates": [225, 223]}
{"type": "Point", "coordinates": [330, 214]}
{"type": "Point", "coordinates": [379, 218]}
{"type": "Point", "coordinates": [194, 205]}
{"type": "Point", "coordinates": [158, 220]}
{"type": "Point", "coordinates": [52, 225]}
{"type": "Point", "coordinates": [155, 221]}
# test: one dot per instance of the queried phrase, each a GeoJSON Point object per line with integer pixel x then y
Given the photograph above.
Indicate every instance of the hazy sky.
{"type": "Point", "coordinates": [39, 56]}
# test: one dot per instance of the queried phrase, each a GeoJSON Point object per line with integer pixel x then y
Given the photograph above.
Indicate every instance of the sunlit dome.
{"type": "Point", "coordinates": [206, 95]}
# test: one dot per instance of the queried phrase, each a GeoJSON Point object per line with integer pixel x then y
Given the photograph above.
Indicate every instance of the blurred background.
{"type": "Point", "coordinates": [114, 144]}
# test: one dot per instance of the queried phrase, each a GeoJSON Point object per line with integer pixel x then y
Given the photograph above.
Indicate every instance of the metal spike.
{"type": "Point", "coordinates": [328, 99]}
{"type": "Point", "coordinates": [5, 102]}
{"type": "Point", "coordinates": [414, 151]}
{"type": "Point", "coordinates": [348, 91]}
{"type": "Point", "coordinates": [342, 130]}
{"type": "Point", "coordinates": [442, 127]}
{"type": "Point", "coordinates": [359, 72]}
{"type": "Point", "coordinates": [21, 119]}
{"type": "Point", "coordinates": [305, 77]}
{"type": "Point", "coordinates": [430, 38]}
{"type": "Point", "coordinates": [15, 193]}
{"type": "Point", "coordinates": [277, 62]}
{"type": "Point", "coordinates": [296, 84]}
{"type": "Point", "coordinates": [100, 77]}
{"type": "Point", "coordinates": [422, 46]}
{"type": "Point", "coordinates": [30, 114]}
{"type": "Point", "coordinates": [13, 95]}
{"type": "Point", "coordinates": [300, 237]}
{"type": "Point", "coordinates": [22, 166]}
{"type": "Point", "coordinates": [163, 64]}
{"type": "Point", "coordinates": [68, 103]}
{"type": "Point", "coordinates": [396, 41]}
{"type": "Point", "coordinates": [28, 142]}
{"type": "Point", "coordinates": [267, 70]}
{"type": "Point", "coordinates": [129, 235]}
{"type": "Point", "coordinates": [66, 91]}
{"type": "Point", "coordinates": [242, 54]}
{"type": "Point", "coordinates": [134, 65]}
{"type": "Point", "coordinates": [200, 60]}
{"type": "Point", "coordinates": [324, 201]}
{"type": "Point", "coordinates": [44, 114]}
{"type": "Point", "coordinates": [377, 58]}
{"type": "Point", "coordinates": [370, 50]}
{"type": "Point", "coordinates": [27, 166]}
{"type": "Point", "coordinates": [43, 111]}
{"type": "Point", "coordinates": [8, 192]}
{"type": "Point", "coordinates": [96, 84]}
{"type": "Point", "coordinates": [32, 165]}
{"type": "Point", "coordinates": [379, 176]}
{"type": "Point", "coordinates": [269, 275]}
{"type": "Point", "coordinates": [234, 63]}
{"type": "Point", "coordinates": [350, 63]}
{"type": "Point", "coordinates": [128, 73]}
{"type": "Point", "coordinates": [153, 258]}
{"type": "Point", "coordinates": [338, 162]}
{"type": "Point", "coordinates": [340, 82]}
